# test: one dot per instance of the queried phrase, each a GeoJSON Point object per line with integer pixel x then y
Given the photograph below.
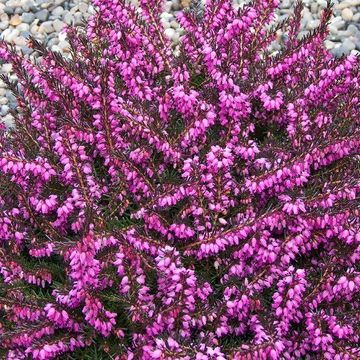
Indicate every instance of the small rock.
{"type": "Point", "coordinates": [63, 45]}
{"type": "Point", "coordinates": [314, 8]}
{"type": "Point", "coordinates": [174, 24]}
{"type": "Point", "coordinates": [34, 29]}
{"type": "Point", "coordinates": [46, 27]}
{"type": "Point", "coordinates": [353, 31]}
{"type": "Point", "coordinates": [322, 3]}
{"type": "Point", "coordinates": [83, 7]}
{"type": "Point", "coordinates": [356, 18]}
{"type": "Point", "coordinates": [26, 50]}
{"type": "Point", "coordinates": [10, 34]}
{"type": "Point", "coordinates": [58, 25]}
{"type": "Point", "coordinates": [8, 120]}
{"type": "Point", "coordinates": [27, 17]}
{"type": "Point", "coordinates": [185, 3]}
{"type": "Point", "coordinates": [6, 68]}
{"type": "Point", "coordinates": [4, 110]}
{"type": "Point", "coordinates": [167, 7]}
{"type": "Point", "coordinates": [285, 4]}
{"type": "Point", "coordinates": [347, 14]}
{"type": "Point", "coordinates": [78, 19]}
{"type": "Point", "coordinates": [20, 41]}
{"type": "Point", "coordinates": [313, 24]}
{"type": "Point", "coordinates": [333, 30]}
{"type": "Point", "coordinates": [4, 17]}
{"type": "Point", "coordinates": [338, 22]}
{"type": "Point", "coordinates": [23, 27]}
{"type": "Point", "coordinates": [68, 19]}
{"type": "Point", "coordinates": [57, 12]}
{"type": "Point", "coordinates": [42, 15]}
{"type": "Point", "coordinates": [28, 5]}
{"type": "Point", "coordinates": [4, 100]}
{"type": "Point", "coordinates": [165, 24]}
{"type": "Point", "coordinates": [4, 25]}
{"type": "Point", "coordinates": [347, 4]}
{"type": "Point", "coordinates": [329, 44]}
{"type": "Point", "coordinates": [169, 33]}
{"type": "Point", "coordinates": [15, 20]}
{"type": "Point", "coordinates": [13, 3]}
{"type": "Point", "coordinates": [62, 36]}
{"type": "Point", "coordinates": [55, 48]}
{"type": "Point", "coordinates": [9, 10]}
{"type": "Point", "coordinates": [348, 45]}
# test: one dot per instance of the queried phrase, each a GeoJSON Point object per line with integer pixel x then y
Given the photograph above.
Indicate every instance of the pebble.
{"type": "Point", "coordinates": [68, 18]}
{"type": "Point", "coordinates": [42, 15]}
{"type": "Point", "coordinates": [313, 24]}
{"type": "Point", "coordinates": [46, 27]}
{"type": "Point", "coordinates": [338, 22]}
{"type": "Point", "coordinates": [58, 25]}
{"type": "Point", "coordinates": [347, 14]}
{"type": "Point", "coordinates": [57, 12]}
{"type": "Point", "coordinates": [27, 17]}
{"type": "Point", "coordinates": [15, 20]}
{"type": "Point", "coordinates": [83, 7]}
{"type": "Point", "coordinates": [347, 3]}
{"type": "Point", "coordinates": [10, 34]}
{"type": "Point", "coordinates": [169, 33]}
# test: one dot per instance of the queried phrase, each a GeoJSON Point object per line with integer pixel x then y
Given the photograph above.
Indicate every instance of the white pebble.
{"type": "Point", "coordinates": [169, 33]}
{"type": "Point", "coordinates": [347, 14]}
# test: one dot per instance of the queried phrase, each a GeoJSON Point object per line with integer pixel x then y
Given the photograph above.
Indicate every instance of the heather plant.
{"type": "Point", "coordinates": [191, 203]}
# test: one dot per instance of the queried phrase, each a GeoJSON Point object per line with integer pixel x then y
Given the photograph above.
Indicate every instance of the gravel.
{"type": "Point", "coordinates": [45, 19]}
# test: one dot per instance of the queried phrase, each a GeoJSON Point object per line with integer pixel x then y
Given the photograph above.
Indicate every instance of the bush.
{"type": "Point", "coordinates": [197, 203]}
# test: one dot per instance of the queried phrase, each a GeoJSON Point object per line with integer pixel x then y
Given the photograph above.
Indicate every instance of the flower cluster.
{"type": "Point", "coordinates": [198, 201]}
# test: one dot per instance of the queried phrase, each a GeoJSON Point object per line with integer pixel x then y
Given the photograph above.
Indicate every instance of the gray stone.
{"type": "Point", "coordinates": [57, 12]}
{"type": "Point", "coordinates": [27, 17]}
{"type": "Point", "coordinates": [68, 18]}
{"type": "Point", "coordinates": [345, 48]}
{"type": "Point", "coordinates": [329, 44]}
{"type": "Point", "coordinates": [3, 100]}
{"type": "Point", "coordinates": [42, 15]}
{"type": "Point", "coordinates": [9, 10]}
{"type": "Point", "coordinates": [6, 68]}
{"type": "Point", "coordinates": [58, 25]}
{"type": "Point", "coordinates": [78, 19]}
{"type": "Point", "coordinates": [63, 45]}
{"type": "Point", "coordinates": [313, 24]}
{"type": "Point", "coordinates": [314, 8]}
{"type": "Point", "coordinates": [169, 33]}
{"type": "Point", "coordinates": [285, 4]}
{"type": "Point", "coordinates": [333, 29]}
{"type": "Point", "coordinates": [20, 41]}
{"type": "Point", "coordinates": [28, 5]}
{"type": "Point", "coordinates": [13, 3]}
{"type": "Point", "coordinates": [46, 27]}
{"type": "Point", "coordinates": [10, 34]}
{"type": "Point", "coordinates": [356, 18]}
{"type": "Point", "coordinates": [338, 22]}
{"type": "Point", "coordinates": [4, 17]}
{"type": "Point", "coordinates": [4, 110]}
{"type": "Point", "coordinates": [83, 7]}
